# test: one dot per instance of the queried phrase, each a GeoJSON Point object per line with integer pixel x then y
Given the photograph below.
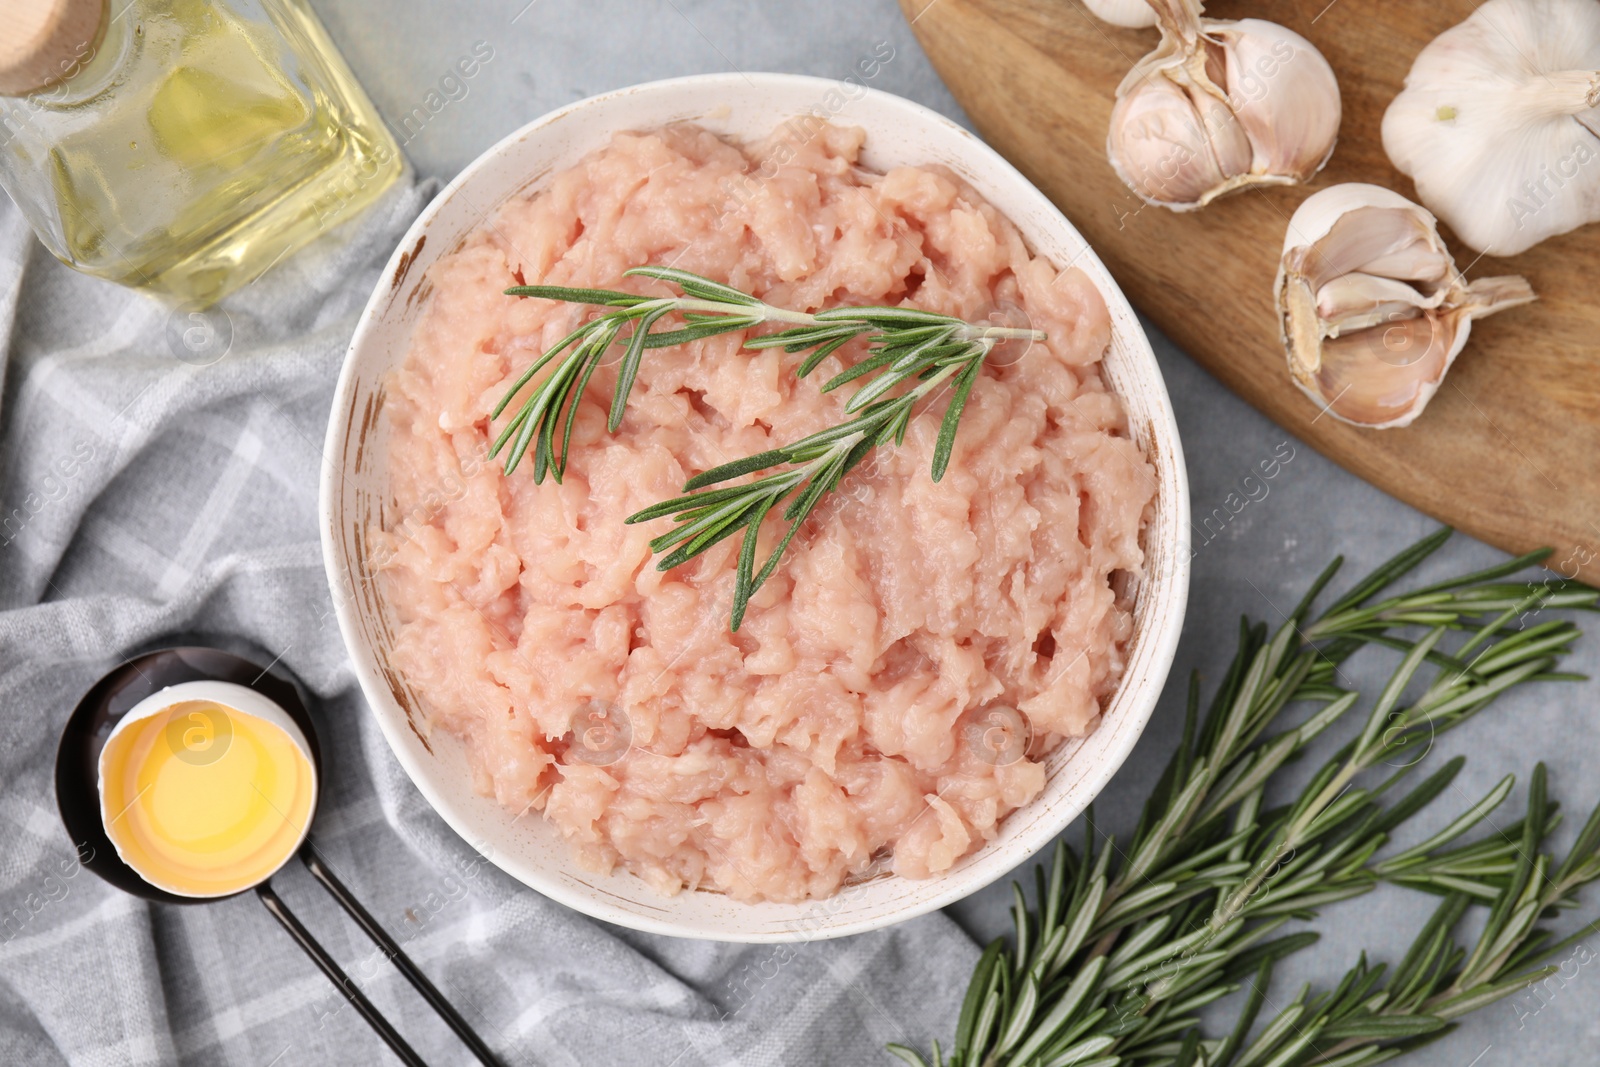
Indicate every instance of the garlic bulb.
{"type": "Point", "coordinates": [1135, 14]}
{"type": "Point", "coordinates": [1219, 106]}
{"type": "Point", "coordinates": [1373, 309]}
{"type": "Point", "coordinates": [1498, 123]}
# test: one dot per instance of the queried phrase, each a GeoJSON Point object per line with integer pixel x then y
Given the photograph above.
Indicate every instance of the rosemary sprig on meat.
{"type": "Point", "coordinates": [911, 355]}
{"type": "Point", "coordinates": [1123, 945]}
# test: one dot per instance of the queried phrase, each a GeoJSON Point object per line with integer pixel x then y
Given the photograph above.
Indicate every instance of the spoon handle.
{"type": "Point", "coordinates": [336, 975]}
{"type": "Point", "coordinates": [323, 873]}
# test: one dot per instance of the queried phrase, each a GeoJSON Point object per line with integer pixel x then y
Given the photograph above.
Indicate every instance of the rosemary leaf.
{"type": "Point", "coordinates": [694, 285]}
{"type": "Point", "coordinates": [599, 297]}
{"type": "Point", "coordinates": [952, 418]}
{"type": "Point", "coordinates": [629, 369]}
{"type": "Point", "coordinates": [736, 469]}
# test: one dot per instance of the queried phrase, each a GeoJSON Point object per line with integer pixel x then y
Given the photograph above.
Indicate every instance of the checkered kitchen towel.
{"type": "Point", "coordinates": [158, 473]}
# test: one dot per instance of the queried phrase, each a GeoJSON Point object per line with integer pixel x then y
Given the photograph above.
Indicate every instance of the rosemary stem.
{"type": "Point", "coordinates": [766, 311]}
{"type": "Point", "coordinates": [1290, 840]}
{"type": "Point", "coordinates": [844, 445]}
{"type": "Point", "coordinates": [769, 313]}
{"type": "Point", "coordinates": [839, 447]}
{"type": "Point", "coordinates": [939, 379]}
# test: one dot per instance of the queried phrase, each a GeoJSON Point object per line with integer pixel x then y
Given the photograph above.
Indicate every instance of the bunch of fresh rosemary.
{"type": "Point", "coordinates": [914, 352]}
{"type": "Point", "coordinates": [1125, 944]}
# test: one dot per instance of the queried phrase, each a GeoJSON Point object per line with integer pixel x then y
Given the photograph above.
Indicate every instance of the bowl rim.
{"type": "Point", "coordinates": [1162, 634]}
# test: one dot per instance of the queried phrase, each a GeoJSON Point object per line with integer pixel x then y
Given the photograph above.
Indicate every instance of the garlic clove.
{"type": "Point", "coordinates": [1498, 123]}
{"type": "Point", "coordinates": [1134, 14]}
{"type": "Point", "coordinates": [1356, 301]}
{"type": "Point", "coordinates": [1385, 374]}
{"type": "Point", "coordinates": [1372, 240]}
{"type": "Point", "coordinates": [1285, 95]}
{"type": "Point", "coordinates": [1219, 106]}
{"type": "Point", "coordinates": [1373, 310]}
{"type": "Point", "coordinates": [1422, 259]}
{"type": "Point", "coordinates": [1167, 148]}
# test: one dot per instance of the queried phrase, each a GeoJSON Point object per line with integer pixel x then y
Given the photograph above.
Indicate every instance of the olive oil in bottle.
{"type": "Point", "coordinates": [182, 146]}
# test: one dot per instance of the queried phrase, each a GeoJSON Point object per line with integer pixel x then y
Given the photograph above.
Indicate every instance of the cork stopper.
{"type": "Point", "coordinates": [46, 41]}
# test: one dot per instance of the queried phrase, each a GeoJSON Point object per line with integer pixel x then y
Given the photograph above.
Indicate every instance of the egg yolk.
{"type": "Point", "coordinates": [203, 800]}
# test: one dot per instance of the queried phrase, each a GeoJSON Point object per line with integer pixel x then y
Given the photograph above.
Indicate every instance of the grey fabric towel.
{"type": "Point", "coordinates": [148, 486]}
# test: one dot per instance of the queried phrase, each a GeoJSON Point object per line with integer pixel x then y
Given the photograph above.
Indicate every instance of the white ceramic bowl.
{"type": "Point", "coordinates": [355, 497]}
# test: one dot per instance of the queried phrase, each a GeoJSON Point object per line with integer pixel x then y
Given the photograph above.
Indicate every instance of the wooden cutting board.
{"type": "Point", "coordinates": [1509, 448]}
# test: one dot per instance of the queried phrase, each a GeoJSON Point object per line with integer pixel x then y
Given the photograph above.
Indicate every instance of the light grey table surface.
{"type": "Point", "coordinates": [551, 52]}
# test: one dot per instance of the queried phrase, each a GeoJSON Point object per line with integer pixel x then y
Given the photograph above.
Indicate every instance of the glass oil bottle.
{"type": "Point", "coordinates": [183, 147]}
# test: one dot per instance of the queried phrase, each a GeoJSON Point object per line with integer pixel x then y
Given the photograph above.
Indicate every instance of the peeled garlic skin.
{"type": "Point", "coordinates": [1496, 123]}
{"type": "Point", "coordinates": [1372, 309]}
{"type": "Point", "coordinates": [1134, 14]}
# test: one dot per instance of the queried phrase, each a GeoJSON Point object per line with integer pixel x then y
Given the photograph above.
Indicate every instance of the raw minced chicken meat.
{"type": "Point", "coordinates": [833, 734]}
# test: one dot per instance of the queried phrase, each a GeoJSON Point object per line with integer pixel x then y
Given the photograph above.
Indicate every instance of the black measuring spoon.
{"type": "Point", "coordinates": [78, 796]}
